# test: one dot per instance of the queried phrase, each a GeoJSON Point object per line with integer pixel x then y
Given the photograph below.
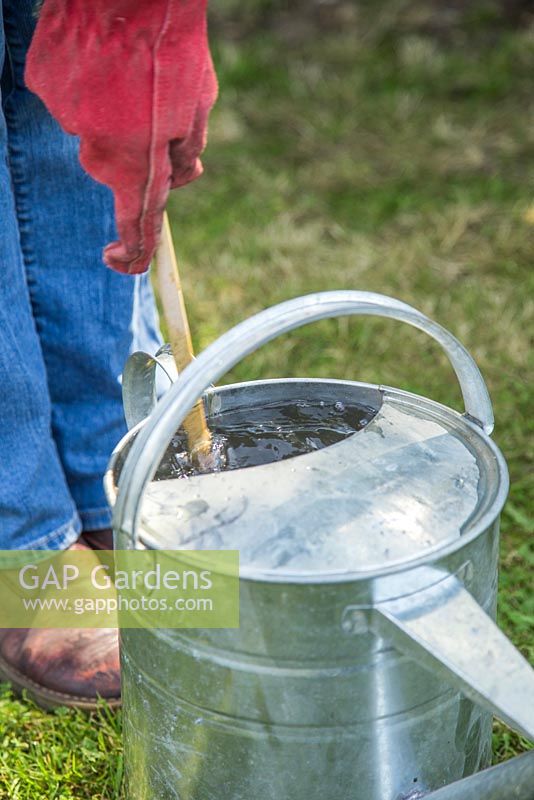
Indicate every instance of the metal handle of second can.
{"type": "Point", "coordinates": [217, 359]}
{"type": "Point", "coordinates": [513, 780]}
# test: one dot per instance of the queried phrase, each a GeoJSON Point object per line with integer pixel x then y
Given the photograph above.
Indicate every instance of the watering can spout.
{"type": "Point", "coordinates": [444, 629]}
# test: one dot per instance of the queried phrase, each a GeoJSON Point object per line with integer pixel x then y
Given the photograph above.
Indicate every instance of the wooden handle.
{"type": "Point", "coordinates": [172, 300]}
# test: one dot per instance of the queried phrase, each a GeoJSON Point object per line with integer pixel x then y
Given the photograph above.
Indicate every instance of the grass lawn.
{"type": "Point", "coordinates": [380, 146]}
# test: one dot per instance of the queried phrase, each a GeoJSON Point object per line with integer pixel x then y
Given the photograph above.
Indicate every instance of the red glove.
{"type": "Point", "coordinates": [134, 79]}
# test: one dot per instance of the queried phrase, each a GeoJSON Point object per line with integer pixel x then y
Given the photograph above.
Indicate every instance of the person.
{"type": "Point", "coordinates": [126, 85]}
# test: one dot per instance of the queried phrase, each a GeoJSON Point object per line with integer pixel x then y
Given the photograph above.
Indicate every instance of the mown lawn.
{"type": "Point", "coordinates": [375, 145]}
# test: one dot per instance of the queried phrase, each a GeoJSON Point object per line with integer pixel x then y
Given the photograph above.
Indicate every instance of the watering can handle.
{"type": "Point", "coordinates": [217, 359]}
{"type": "Point", "coordinates": [512, 779]}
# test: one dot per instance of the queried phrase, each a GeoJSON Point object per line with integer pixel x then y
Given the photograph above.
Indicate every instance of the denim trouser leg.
{"type": "Point", "coordinates": [68, 322]}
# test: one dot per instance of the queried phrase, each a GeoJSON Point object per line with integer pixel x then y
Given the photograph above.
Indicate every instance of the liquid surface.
{"type": "Point", "coordinates": [267, 433]}
{"type": "Point", "coordinates": [403, 485]}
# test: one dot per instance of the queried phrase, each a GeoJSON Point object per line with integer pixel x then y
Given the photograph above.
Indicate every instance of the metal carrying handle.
{"type": "Point", "coordinates": [513, 780]}
{"type": "Point", "coordinates": [214, 362]}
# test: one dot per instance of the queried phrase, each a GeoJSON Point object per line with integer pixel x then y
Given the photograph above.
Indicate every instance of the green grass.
{"type": "Point", "coordinates": [386, 149]}
{"type": "Point", "coordinates": [64, 755]}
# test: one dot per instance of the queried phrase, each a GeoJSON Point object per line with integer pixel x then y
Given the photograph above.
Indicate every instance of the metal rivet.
{"type": "Point", "coordinates": [354, 621]}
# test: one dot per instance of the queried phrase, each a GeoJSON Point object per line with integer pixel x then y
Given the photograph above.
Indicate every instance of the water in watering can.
{"type": "Point", "coordinates": [366, 489]}
{"type": "Point", "coordinates": [271, 432]}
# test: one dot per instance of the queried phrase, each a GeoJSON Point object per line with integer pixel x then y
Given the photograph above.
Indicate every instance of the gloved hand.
{"type": "Point", "coordinates": [134, 79]}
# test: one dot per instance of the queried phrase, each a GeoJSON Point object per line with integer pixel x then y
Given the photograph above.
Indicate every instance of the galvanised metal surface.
{"type": "Point", "coordinates": [341, 509]}
{"type": "Point", "coordinates": [366, 678]}
{"type": "Point", "coordinates": [513, 780]}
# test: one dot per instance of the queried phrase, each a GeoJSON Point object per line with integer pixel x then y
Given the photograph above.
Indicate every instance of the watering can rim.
{"type": "Point", "coordinates": [442, 550]}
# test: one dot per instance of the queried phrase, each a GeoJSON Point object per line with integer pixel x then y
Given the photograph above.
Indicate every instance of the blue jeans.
{"type": "Point", "coordinates": [67, 322]}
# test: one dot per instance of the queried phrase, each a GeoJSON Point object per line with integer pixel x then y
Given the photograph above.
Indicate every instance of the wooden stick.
{"type": "Point", "coordinates": [172, 300]}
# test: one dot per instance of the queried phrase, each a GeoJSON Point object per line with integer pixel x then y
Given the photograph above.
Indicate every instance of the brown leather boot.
{"type": "Point", "coordinates": [63, 666]}
{"type": "Point", "coordinates": [98, 540]}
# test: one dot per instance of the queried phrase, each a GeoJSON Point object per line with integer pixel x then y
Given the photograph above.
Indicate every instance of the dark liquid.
{"type": "Point", "coordinates": [272, 432]}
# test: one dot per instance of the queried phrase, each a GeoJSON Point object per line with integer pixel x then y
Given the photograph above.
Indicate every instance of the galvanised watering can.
{"type": "Point", "coordinates": [367, 665]}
